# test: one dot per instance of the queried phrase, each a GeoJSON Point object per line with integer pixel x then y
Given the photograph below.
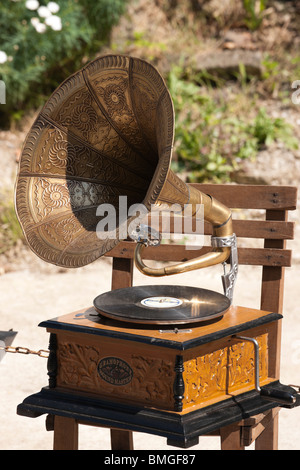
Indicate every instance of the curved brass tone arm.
{"type": "Point", "coordinates": [214, 212]}
{"type": "Point", "coordinates": [218, 255]}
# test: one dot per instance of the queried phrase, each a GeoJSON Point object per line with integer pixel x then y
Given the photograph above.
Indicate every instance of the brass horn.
{"type": "Point", "coordinates": [106, 131]}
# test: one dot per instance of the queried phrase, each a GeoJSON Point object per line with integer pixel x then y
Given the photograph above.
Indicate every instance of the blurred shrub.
{"type": "Point", "coordinates": [254, 13]}
{"type": "Point", "coordinates": [213, 135]}
{"type": "Point", "coordinates": [43, 42]}
{"type": "Point", "coordinates": [10, 230]}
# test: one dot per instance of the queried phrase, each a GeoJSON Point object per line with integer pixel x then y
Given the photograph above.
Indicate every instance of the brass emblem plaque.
{"type": "Point", "coordinates": [115, 371]}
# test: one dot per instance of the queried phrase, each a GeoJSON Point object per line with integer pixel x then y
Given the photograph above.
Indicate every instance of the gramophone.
{"type": "Point", "coordinates": [107, 133]}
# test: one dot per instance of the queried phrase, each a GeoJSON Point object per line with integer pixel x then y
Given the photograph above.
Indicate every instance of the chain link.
{"type": "Point", "coordinates": [21, 350]}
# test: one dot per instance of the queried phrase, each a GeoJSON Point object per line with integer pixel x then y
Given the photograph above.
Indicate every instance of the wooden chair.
{"type": "Point", "coordinates": [274, 228]}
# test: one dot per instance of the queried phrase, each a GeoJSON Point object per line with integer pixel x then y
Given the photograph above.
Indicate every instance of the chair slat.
{"type": "Point", "coordinates": [179, 253]}
{"type": "Point", "coordinates": [242, 228]}
{"type": "Point", "coordinates": [264, 229]}
{"type": "Point", "coordinates": [252, 196]}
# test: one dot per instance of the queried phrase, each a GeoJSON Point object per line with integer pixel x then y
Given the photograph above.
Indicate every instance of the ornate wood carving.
{"type": "Point", "coordinates": [223, 371]}
{"type": "Point", "coordinates": [151, 382]}
{"type": "Point", "coordinates": [174, 382]}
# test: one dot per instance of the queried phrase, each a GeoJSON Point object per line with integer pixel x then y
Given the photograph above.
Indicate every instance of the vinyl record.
{"type": "Point", "coordinates": [162, 304]}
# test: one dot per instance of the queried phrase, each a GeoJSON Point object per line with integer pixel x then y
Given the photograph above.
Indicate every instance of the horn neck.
{"type": "Point", "coordinates": [175, 191]}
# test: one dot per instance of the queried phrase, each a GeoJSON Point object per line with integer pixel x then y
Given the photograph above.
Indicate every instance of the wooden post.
{"type": "Point", "coordinates": [121, 440]}
{"type": "Point", "coordinates": [65, 433]}
{"type": "Point", "coordinates": [268, 439]}
{"type": "Point", "coordinates": [273, 276]}
{"type": "Point", "coordinates": [272, 300]}
{"type": "Point", "coordinates": [231, 437]}
{"type": "Point", "coordinates": [122, 275]}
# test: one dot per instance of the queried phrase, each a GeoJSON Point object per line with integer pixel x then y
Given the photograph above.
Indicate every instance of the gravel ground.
{"type": "Point", "coordinates": [33, 291]}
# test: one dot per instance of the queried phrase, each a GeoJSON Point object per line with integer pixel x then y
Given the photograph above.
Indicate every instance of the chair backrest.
{"type": "Point", "coordinates": [270, 204]}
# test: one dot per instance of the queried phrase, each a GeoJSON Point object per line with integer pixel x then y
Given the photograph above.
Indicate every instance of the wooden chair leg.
{"type": "Point", "coordinates": [231, 437]}
{"type": "Point", "coordinates": [268, 439]}
{"type": "Point", "coordinates": [121, 440]}
{"type": "Point", "coordinates": [65, 433]}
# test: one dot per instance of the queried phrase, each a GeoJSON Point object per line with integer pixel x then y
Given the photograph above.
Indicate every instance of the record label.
{"type": "Point", "coordinates": [161, 302]}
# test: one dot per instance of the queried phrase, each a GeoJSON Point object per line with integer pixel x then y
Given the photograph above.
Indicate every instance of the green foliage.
{"type": "Point", "coordinates": [212, 135]}
{"type": "Point", "coordinates": [271, 68]}
{"type": "Point", "coordinates": [141, 44]}
{"type": "Point", "coordinates": [10, 230]}
{"type": "Point", "coordinates": [140, 40]}
{"type": "Point", "coordinates": [266, 130]}
{"type": "Point", "coordinates": [41, 52]}
{"type": "Point", "coordinates": [254, 10]}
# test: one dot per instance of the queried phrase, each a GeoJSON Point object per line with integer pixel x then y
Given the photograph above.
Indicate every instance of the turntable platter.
{"type": "Point", "coordinates": [162, 304]}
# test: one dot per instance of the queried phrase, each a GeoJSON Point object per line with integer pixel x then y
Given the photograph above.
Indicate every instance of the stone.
{"type": "Point", "coordinates": [226, 63]}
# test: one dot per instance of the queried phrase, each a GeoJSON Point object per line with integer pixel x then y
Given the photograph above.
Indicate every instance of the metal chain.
{"type": "Point", "coordinates": [21, 350]}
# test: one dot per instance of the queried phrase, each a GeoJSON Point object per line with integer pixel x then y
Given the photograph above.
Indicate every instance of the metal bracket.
{"type": "Point", "coordinates": [176, 331]}
{"type": "Point", "coordinates": [256, 358]}
{"type": "Point", "coordinates": [146, 235]}
{"type": "Point", "coordinates": [279, 396]}
{"type": "Point", "coordinates": [229, 278]}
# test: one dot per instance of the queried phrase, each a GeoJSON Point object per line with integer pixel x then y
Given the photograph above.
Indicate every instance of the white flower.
{"type": "Point", "coordinates": [53, 7]}
{"type": "Point", "coordinates": [44, 12]}
{"type": "Point", "coordinates": [32, 4]}
{"type": "Point", "coordinates": [35, 21]}
{"type": "Point", "coordinates": [40, 27]}
{"type": "Point", "coordinates": [54, 22]}
{"type": "Point", "coordinates": [3, 57]}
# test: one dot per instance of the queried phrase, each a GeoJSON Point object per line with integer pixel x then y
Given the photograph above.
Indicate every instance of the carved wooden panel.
{"type": "Point", "coordinates": [116, 375]}
{"type": "Point", "coordinates": [223, 371]}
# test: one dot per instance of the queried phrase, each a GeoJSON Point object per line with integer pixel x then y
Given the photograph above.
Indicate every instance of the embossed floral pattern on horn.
{"type": "Point", "coordinates": [61, 154]}
{"type": "Point", "coordinates": [84, 117]}
{"type": "Point", "coordinates": [114, 97]}
{"type": "Point", "coordinates": [67, 228]}
{"type": "Point", "coordinates": [55, 195]}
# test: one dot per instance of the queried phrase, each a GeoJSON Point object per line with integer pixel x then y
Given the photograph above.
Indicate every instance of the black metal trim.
{"type": "Point", "coordinates": [178, 386]}
{"type": "Point", "coordinates": [52, 361]}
